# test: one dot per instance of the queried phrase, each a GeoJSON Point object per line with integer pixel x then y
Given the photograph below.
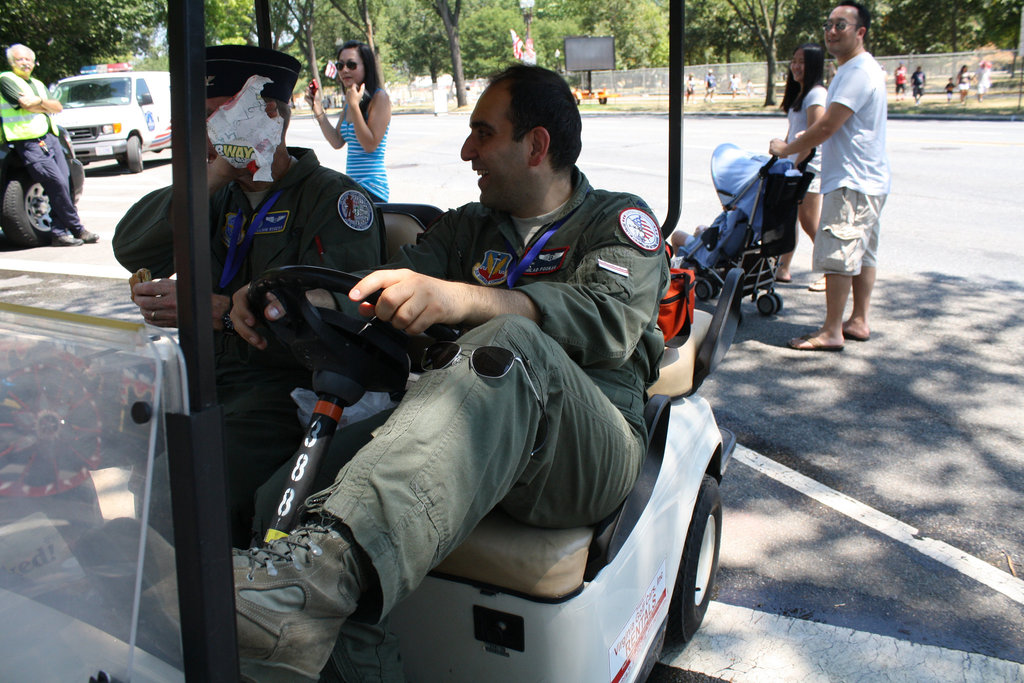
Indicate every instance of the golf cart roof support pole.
{"type": "Point", "coordinates": [195, 440]}
{"type": "Point", "coordinates": [676, 31]}
{"type": "Point", "coordinates": [262, 9]}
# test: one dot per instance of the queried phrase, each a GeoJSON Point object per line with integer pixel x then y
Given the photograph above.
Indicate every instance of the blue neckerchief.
{"type": "Point", "coordinates": [236, 255]}
{"type": "Point", "coordinates": [530, 255]}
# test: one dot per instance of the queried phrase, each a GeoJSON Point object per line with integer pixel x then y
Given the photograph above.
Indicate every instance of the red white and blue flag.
{"type": "Point", "coordinates": [517, 45]}
{"type": "Point", "coordinates": [332, 69]}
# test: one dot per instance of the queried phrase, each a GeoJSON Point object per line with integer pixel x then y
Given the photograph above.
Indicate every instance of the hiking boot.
{"type": "Point", "coordinates": [88, 237]}
{"type": "Point", "coordinates": [292, 596]}
{"type": "Point", "coordinates": [65, 240]}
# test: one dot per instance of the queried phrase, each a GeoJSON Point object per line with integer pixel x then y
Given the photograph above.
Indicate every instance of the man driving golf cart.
{"type": "Point", "coordinates": [537, 408]}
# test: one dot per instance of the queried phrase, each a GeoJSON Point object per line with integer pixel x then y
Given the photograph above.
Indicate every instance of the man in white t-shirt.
{"type": "Point", "coordinates": [854, 181]}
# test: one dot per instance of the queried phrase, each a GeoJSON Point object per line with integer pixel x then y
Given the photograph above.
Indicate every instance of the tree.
{"type": "Point", "coordinates": [360, 15]}
{"type": "Point", "coordinates": [230, 22]}
{"type": "Point", "coordinates": [303, 19]}
{"type": "Point", "coordinates": [415, 40]}
{"type": "Point", "coordinates": [66, 37]}
{"type": "Point", "coordinates": [764, 19]}
{"type": "Point", "coordinates": [486, 41]}
{"type": "Point", "coordinates": [450, 18]}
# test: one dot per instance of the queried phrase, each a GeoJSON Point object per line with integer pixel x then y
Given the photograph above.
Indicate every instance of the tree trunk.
{"type": "Point", "coordinates": [314, 68]}
{"type": "Point", "coordinates": [769, 88]}
{"type": "Point", "coordinates": [451, 27]}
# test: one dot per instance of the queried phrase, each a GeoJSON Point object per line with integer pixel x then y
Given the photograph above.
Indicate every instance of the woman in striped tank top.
{"type": "Point", "coordinates": [364, 120]}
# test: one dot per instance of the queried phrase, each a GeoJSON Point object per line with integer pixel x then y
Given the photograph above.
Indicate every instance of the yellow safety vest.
{"type": "Point", "coordinates": [19, 124]}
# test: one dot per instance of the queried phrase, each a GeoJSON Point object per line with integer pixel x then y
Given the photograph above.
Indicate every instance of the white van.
{"type": "Point", "coordinates": [116, 115]}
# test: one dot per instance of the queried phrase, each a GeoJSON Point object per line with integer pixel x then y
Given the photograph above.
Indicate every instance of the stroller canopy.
{"type": "Point", "coordinates": [733, 172]}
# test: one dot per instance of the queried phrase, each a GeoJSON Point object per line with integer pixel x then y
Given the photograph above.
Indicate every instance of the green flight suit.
{"type": "Point", "coordinates": [459, 444]}
{"type": "Point", "coordinates": [321, 218]}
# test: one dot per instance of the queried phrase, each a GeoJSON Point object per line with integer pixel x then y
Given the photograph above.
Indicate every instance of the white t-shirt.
{"type": "Point", "coordinates": [798, 124]}
{"type": "Point", "coordinates": [855, 155]}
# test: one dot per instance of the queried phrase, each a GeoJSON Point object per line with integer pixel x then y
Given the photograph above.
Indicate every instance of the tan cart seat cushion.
{"type": "Point", "coordinates": [676, 378]}
{"type": "Point", "coordinates": [546, 563]}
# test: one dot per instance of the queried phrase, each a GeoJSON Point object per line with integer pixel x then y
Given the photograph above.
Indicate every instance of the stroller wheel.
{"type": "Point", "coordinates": [769, 304]}
{"type": "Point", "coordinates": [704, 290]}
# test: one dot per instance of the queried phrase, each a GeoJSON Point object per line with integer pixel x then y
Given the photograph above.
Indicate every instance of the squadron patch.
{"type": "Point", "coordinates": [492, 269]}
{"type": "Point", "coordinates": [641, 229]}
{"type": "Point", "coordinates": [355, 210]}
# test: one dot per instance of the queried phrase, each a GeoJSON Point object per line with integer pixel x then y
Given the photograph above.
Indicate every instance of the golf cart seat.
{"type": "Point", "coordinates": [550, 564]}
{"type": "Point", "coordinates": [403, 223]}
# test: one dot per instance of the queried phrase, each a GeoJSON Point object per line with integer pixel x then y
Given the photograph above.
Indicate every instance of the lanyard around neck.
{"type": "Point", "coordinates": [237, 252]}
{"type": "Point", "coordinates": [532, 253]}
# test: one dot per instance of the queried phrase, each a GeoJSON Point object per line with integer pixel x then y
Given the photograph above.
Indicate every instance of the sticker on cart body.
{"type": "Point", "coordinates": [624, 654]}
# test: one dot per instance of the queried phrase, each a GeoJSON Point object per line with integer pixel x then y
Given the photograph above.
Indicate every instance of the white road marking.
{"type": "Point", "coordinates": [956, 559]}
{"type": "Point", "coordinates": [748, 646]}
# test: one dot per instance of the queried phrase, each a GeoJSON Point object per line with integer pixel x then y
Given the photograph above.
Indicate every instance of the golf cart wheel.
{"type": "Point", "coordinates": [132, 157]}
{"type": "Point", "coordinates": [26, 212]}
{"type": "Point", "coordinates": [699, 567]}
{"type": "Point", "coordinates": [703, 290]}
{"type": "Point", "coordinates": [769, 304]}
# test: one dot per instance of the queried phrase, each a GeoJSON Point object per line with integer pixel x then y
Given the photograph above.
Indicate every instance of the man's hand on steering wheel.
{"type": "Point", "coordinates": [244, 320]}
{"type": "Point", "coordinates": [411, 301]}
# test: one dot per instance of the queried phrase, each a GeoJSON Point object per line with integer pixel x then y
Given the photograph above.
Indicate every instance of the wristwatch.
{"type": "Point", "coordinates": [225, 320]}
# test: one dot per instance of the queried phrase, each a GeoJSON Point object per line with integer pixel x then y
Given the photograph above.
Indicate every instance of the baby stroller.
{"type": "Point", "coordinates": [760, 197]}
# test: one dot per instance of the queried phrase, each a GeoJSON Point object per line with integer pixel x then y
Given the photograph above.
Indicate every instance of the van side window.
{"type": "Point", "coordinates": [142, 94]}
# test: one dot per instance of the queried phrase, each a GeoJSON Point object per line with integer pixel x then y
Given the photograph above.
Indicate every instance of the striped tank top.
{"type": "Point", "coordinates": [367, 169]}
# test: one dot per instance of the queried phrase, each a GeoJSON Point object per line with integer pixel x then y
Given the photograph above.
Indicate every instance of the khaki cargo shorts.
{"type": "Point", "coordinates": [847, 236]}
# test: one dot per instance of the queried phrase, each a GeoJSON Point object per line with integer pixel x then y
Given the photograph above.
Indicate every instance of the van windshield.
{"type": "Point", "coordinates": [94, 92]}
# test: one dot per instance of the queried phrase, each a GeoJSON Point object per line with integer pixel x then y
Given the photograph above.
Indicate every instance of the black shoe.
{"type": "Point", "coordinates": [65, 240]}
{"type": "Point", "coordinates": [88, 237]}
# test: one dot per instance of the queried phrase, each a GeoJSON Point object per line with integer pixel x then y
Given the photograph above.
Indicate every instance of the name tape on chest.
{"type": "Point", "coordinates": [273, 223]}
{"type": "Point", "coordinates": [547, 261]}
{"type": "Point", "coordinates": [640, 228]}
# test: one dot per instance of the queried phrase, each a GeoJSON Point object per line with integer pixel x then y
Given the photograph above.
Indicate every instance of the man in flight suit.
{"type": "Point", "coordinates": [537, 410]}
{"type": "Point", "coordinates": [307, 214]}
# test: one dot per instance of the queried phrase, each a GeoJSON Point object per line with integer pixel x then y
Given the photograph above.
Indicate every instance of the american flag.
{"type": "Point", "coordinates": [517, 45]}
{"type": "Point", "coordinates": [332, 69]}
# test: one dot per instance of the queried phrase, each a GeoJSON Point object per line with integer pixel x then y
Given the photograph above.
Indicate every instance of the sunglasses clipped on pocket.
{"type": "Point", "coordinates": [493, 362]}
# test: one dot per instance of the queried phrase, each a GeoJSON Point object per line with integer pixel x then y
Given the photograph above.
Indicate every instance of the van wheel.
{"type": "Point", "coordinates": [26, 213]}
{"type": "Point", "coordinates": [132, 157]}
{"type": "Point", "coordinates": [699, 567]}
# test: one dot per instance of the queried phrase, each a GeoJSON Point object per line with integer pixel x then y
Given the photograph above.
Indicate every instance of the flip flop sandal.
{"type": "Point", "coordinates": [814, 344]}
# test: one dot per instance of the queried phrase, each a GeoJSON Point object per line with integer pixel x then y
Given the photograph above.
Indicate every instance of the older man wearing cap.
{"type": "Point", "coordinates": [277, 208]}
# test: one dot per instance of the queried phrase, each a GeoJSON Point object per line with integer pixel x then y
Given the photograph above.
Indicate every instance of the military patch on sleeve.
{"type": "Point", "coordinates": [641, 229]}
{"type": "Point", "coordinates": [355, 210]}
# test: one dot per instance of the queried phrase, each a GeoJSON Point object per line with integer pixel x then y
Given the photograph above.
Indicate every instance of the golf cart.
{"type": "Point", "coordinates": [124, 419]}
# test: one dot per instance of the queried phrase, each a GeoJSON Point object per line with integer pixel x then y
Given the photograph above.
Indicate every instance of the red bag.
{"type": "Point", "coordinates": [675, 312]}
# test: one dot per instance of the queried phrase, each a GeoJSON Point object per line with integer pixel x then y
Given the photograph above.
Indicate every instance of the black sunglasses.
{"type": "Point", "coordinates": [493, 362]}
{"type": "Point", "coordinates": [351, 65]}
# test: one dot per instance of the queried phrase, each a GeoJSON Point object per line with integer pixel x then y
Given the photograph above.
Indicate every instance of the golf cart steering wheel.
{"type": "Point", "coordinates": [359, 354]}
